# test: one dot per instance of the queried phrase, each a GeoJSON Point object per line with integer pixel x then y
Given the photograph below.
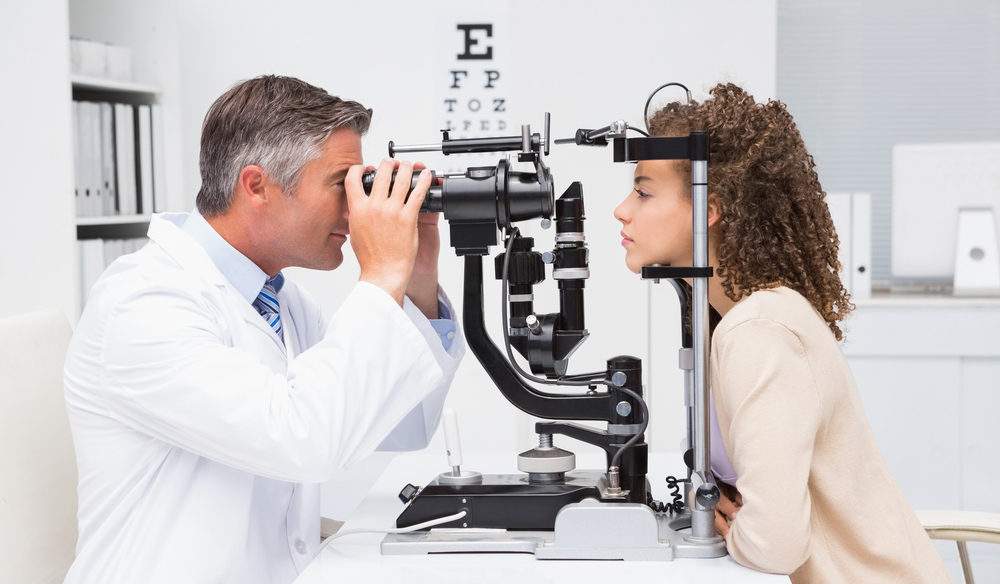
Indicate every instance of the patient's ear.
{"type": "Point", "coordinates": [714, 209]}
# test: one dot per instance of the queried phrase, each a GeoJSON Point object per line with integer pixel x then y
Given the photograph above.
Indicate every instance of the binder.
{"type": "Point", "coordinates": [145, 150]}
{"type": "Point", "coordinates": [77, 161]}
{"type": "Point", "coordinates": [159, 159]}
{"type": "Point", "coordinates": [861, 245]}
{"type": "Point", "coordinates": [91, 178]}
{"type": "Point", "coordinates": [107, 160]}
{"type": "Point", "coordinates": [84, 129]}
{"type": "Point", "coordinates": [125, 158]}
{"type": "Point", "coordinates": [96, 170]}
{"type": "Point", "coordinates": [840, 212]}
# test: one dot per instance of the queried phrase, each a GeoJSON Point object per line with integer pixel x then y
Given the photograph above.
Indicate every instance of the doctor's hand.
{"type": "Point", "coordinates": [730, 501]}
{"type": "Point", "coordinates": [423, 287]}
{"type": "Point", "coordinates": [383, 227]}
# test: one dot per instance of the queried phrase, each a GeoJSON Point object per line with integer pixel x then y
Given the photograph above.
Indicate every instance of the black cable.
{"type": "Point", "coordinates": [562, 381]}
{"type": "Point", "coordinates": [506, 329]}
{"type": "Point", "coordinates": [596, 377]}
{"type": "Point", "coordinates": [638, 130]}
{"type": "Point", "coordinates": [677, 505]}
{"type": "Point", "coordinates": [645, 110]}
{"type": "Point", "coordinates": [642, 426]}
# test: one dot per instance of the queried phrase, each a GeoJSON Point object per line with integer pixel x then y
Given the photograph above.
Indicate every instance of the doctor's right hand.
{"type": "Point", "coordinates": [383, 227]}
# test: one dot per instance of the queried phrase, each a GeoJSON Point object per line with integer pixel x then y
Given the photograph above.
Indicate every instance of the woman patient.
{"type": "Point", "coordinates": [805, 489]}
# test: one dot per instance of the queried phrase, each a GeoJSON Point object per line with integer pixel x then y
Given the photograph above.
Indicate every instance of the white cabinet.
{"type": "Point", "coordinates": [928, 369]}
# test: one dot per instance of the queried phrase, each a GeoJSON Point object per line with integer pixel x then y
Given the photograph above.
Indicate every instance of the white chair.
{"type": "Point", "coordinates": [38, 479]}
{"type": "Point", "coordinates": [962, 526]}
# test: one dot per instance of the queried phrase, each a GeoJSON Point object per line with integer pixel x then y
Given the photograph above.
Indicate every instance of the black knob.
{"type": "Point", "coordinates": [707, 496]}
{"type": "Point", "coordinates": [408, 493]}
{"type": "Point", "coordinates": [525, 266]}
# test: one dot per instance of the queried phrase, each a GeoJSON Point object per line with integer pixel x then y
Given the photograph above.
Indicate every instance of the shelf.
{"type": "Point", "coordinates": [113, 220]}
{"type": "Point", "coordinates": [101, 84]}
{"type": "Point", "coordinates": [116, 227]}
{"type": "Point", "coordinates": [925, 300]}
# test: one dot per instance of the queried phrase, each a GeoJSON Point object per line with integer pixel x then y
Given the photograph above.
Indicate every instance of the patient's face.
{"type": "Point", "coordinates": [656, 217]}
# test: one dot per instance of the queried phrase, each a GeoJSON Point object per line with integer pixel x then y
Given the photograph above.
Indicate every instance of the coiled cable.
{"type": "Point", "coordinates": [675, 506]}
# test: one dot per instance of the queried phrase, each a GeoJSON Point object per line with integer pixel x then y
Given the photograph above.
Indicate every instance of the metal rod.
{"type": "Point", "coordinates": [689, 408]}
{"type": "Point", "coordinates": [546, 135]}
{"type": "Point", "coordinates": [418, 148]}
{"type": "Point", "coordinates": [699, 330]}
{"type": "Point", "coordinates": [963, 554]}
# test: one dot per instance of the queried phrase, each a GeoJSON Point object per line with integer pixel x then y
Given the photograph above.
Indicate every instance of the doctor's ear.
{"type": "Point", "coordinates": [255, 187]}
{"type": "Point", "coordinates": [714, 209]}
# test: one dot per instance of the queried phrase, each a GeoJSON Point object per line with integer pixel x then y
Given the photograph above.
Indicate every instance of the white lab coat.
{"type": "Point", "coordinates": [200, 438]}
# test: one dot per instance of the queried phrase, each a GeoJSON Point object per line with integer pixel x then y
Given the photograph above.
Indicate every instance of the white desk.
{"type": "Point", "coordinates": [357, 557]}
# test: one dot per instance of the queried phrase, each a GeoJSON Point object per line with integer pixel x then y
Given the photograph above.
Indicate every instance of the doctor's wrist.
{"type": "Point", "coordinates": [390, 284]}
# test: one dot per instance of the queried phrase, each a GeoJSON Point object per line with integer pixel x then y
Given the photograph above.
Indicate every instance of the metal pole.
{"type": "Point", "coordinates": [963, 554]}
{"type": "Point", "coordinates": [702, 520]}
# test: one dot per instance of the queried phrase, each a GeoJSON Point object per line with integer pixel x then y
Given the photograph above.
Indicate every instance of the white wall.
{"type": "Point", "coordinates": [586, 62]}
{"type": "Point", "coordinates": [37, 224]}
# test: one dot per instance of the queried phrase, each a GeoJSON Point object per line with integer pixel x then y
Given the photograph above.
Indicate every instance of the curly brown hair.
{"type": "Point", "coordinates": [775, 227]}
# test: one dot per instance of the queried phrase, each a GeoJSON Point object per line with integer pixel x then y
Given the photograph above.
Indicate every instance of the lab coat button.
{"type": "Point", "coordinates": [300, 546]}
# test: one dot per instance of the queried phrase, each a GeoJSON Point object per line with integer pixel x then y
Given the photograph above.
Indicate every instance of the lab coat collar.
{"type": "Point", "coordinates": [239, 270]}
{"type": "Point", "coordinates": [165, 230]}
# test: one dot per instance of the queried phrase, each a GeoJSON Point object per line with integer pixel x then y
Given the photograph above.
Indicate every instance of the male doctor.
{"type": "Point", "coordinates": [207, 395]}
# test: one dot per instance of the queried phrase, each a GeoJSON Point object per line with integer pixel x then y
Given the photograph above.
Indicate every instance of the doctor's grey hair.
{"type": "Point", "coordinates": [276, 123]}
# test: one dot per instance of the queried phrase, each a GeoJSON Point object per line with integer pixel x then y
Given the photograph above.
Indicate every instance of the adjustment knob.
{"type": "Point", "coordinates": [525, 267]}
{"type": "Point", "coordinates": [408, 493]}
{"type": "Point", "coordinates": [707, 496]}
{"type": "Point", "coordinates": [531, 321]}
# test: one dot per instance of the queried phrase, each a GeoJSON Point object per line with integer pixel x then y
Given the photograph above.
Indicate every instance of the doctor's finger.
{"type": "Point", "coordinates": [352, 184]}
{"type": "Point", "coordinates": [416, 199]}
{"type": "Point", "coordinates": [383, 180]}
{"type": "Point", "coordinates": [401, 184]}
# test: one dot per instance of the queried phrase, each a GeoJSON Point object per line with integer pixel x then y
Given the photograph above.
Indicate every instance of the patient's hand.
{"type": "Point", "coordinates": [730, 501]}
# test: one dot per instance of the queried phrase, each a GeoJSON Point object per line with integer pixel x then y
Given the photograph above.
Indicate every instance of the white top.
{"type": "Point", "coordinates": [201, 437]}
{"type": "Point", "coordinates": [820, 502]}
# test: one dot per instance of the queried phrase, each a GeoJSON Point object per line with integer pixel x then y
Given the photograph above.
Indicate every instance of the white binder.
{"type": "Point", "coordinates": [861, 245]}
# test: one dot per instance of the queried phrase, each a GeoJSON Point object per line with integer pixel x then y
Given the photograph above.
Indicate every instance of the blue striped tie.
{"type": "Point", "coordinates": [267, 303]}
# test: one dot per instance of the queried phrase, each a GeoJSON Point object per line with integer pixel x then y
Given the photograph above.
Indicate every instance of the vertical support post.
{"type": "Point", "coordinates": [703, 519]}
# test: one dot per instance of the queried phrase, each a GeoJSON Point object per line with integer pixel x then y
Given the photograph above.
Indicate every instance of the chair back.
{"type": "Point", "coordinates": [38, 477]}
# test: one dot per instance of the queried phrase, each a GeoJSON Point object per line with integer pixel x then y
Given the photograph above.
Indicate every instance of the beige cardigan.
{"type": "Point", "coordinates": [819, 502]}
